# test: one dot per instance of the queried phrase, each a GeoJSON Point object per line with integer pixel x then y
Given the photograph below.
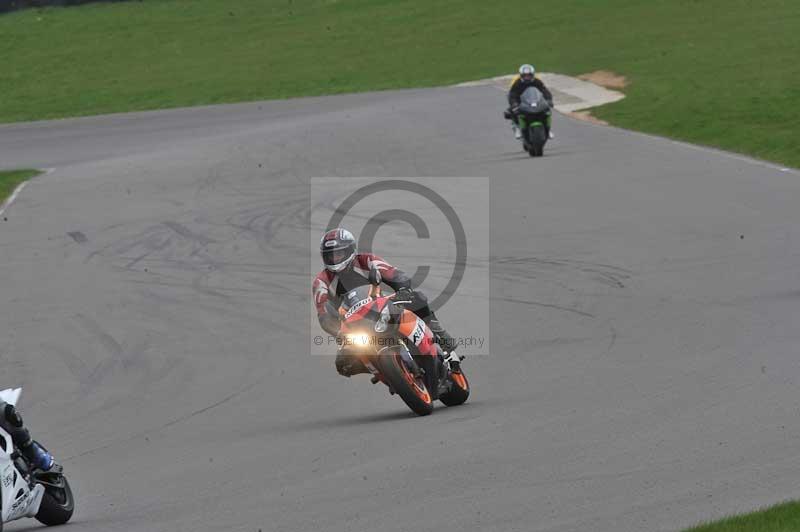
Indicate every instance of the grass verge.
{"type": "Point", "coordinates": [783, 517]}
{"type": "Point", "coordinates": [716, 72]}
{"type": "Point", "coordinates": [11, 179]}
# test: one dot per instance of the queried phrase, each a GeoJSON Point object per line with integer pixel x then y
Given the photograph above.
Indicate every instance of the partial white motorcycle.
{"type": "Point", "coordinates": [28, 492]}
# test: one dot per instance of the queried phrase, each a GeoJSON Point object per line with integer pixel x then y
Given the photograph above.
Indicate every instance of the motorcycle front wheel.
{"type": "Point", "coordinates": [411, 388]}
{"type": "Point", "coordinates": [538, 138]}
{"type": "Point", "coordinates": [58, 503]}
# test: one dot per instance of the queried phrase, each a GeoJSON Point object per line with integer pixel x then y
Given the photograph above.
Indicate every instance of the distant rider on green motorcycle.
{"type": "Point", "coordinates": [525, 79]}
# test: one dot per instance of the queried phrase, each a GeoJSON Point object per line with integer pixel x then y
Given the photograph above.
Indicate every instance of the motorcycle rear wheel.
{"type": "Point", "coordinates": [458, 393]}
{"type": "Point", "coordinates": [411, 389]}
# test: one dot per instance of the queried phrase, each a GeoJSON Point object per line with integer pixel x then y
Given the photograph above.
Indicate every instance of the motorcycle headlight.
{"type": "Point", "coordinates": [383, 321]}
{"type": "Point", "coordinates": [357, 339]}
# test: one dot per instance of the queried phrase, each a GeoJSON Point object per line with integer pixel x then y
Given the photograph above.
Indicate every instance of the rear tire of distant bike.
{"type": "Point", "coordinates": [459, 393]}
{"type": "Point", "coordinates": [411, 389]}
{"type": "Point", "coordinates": [57, 506]}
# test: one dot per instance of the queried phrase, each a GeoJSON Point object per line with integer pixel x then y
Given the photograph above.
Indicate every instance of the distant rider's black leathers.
{"type": "Point", "coordinates": [519, 85]}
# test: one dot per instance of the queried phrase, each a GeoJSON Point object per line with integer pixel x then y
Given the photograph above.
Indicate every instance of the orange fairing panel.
{"type": "Point", "coordinates": [413, 328]}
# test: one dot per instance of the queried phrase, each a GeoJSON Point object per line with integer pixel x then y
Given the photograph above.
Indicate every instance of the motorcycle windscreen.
{"type": "Point", "coordinates": [532, 101]}
{"type": "Point", "coordinates": [11, 395]}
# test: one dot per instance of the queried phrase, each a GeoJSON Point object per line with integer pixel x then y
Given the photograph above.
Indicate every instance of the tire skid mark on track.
{"type": "Point", "coordinates": [188, 234]}
{"type": "Point", "coordinates": [170, 423]}
{"type": "Point", "coordinates": [566, 274]}
{"type": "Point", "coordinates": [545, 305]}
{"type": "Point", "coordinates": [613, 340]}
{"type": "Point", "coordinates": [126, 358]}
{"type": "Point", "coordinates": [228, 311]}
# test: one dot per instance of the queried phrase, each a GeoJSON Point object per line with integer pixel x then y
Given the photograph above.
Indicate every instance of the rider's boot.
{"type": "Point", "coordinates": [447, 342]}
{"type": "Point", "coordinates": [37, 455]}
{"type": "Point", "coordinates": [549, 124]}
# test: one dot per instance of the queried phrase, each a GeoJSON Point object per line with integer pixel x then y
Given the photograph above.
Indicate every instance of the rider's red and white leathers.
{"type": "Point", "coordinates": [329, 287]}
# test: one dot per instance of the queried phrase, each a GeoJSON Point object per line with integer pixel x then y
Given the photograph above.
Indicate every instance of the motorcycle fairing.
{"type": "Point", "coordinates": [17, 498]}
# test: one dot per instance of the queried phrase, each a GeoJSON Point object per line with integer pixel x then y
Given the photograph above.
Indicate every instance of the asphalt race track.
{"type": "Point", "coordinates": [644, 297]}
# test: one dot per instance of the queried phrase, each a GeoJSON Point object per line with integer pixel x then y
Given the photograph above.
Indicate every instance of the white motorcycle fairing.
{"type": "Point", "coordinates": [17, 499]}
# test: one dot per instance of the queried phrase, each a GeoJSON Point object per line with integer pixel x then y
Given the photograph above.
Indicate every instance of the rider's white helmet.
{"type": "Point", "coordinates": [526, 70]}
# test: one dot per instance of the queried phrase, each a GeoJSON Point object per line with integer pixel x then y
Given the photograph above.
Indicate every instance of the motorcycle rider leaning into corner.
{"type": "Point", "coordinates": [525, 79]}
{"type": "Point", "coordinates": [11, 422]}
{"type": "Point", "coordinates": [346, 269]}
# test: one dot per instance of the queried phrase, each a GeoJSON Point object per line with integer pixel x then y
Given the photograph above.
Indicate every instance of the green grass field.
{"type": "Point", "coordinates": [718, 72]}
{"type": "Point", "coordinates": [780, 518]}
{"type": "Point", "coordinates": [10, 179]}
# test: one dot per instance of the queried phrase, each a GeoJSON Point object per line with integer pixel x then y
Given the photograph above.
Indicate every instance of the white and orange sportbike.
{"type": "Point", "coordinates": [29, 492]}
{"type": "Point", "coordinates": [398, 349]}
